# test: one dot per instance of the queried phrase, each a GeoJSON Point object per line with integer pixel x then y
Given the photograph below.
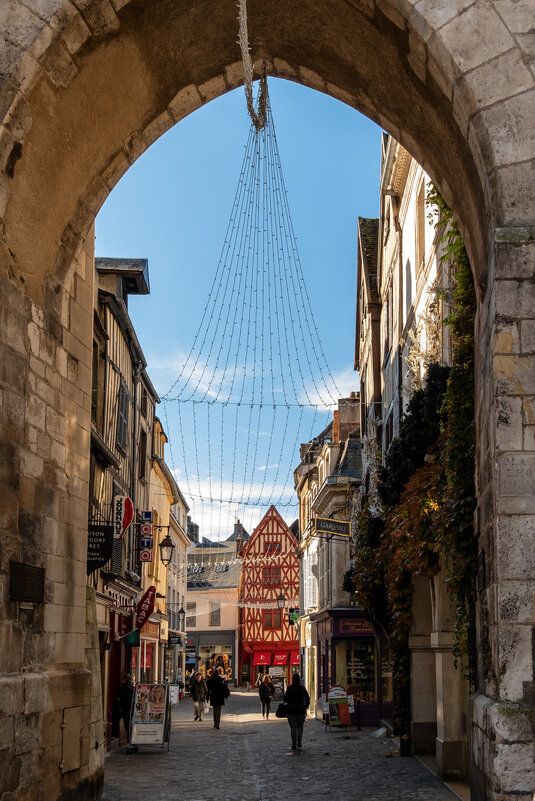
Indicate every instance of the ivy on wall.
{"type": "Point", "coordinates": [426, 486]}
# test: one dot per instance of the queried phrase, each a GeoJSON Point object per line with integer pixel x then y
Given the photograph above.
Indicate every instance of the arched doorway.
{"type": "Point", "coordinates": [84, 93]}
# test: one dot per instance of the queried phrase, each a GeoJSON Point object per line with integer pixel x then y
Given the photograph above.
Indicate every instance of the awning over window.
{"type": "Point", "coordinates": [262, 658]}
{"type": "Point", "coordinates": [281, 659]}
{"type": "Point", "coordinates": [294, 658]}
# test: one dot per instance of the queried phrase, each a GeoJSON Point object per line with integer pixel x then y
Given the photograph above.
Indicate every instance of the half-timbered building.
{"type": "Point", "coordinates": [270, 570]}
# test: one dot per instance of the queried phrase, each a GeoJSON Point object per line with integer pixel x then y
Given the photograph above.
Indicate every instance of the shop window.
{"type": "Point", "coordinates": [272, 620]}
{"type": "Point", "coordinates": [355, 668]}
{"type": "Point", "coordinates": [271, 576]}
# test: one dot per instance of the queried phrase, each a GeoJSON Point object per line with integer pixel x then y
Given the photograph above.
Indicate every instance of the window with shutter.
{"type": "Point", "coordinates": [122, 417]}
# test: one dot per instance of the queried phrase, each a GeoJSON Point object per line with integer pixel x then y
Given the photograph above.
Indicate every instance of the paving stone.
{"type": "Point", "coordinates": [250, 758]}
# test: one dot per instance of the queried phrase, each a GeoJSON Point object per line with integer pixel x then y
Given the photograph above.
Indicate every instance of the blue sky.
{"type": "Point", "coordinates": [173, 208]}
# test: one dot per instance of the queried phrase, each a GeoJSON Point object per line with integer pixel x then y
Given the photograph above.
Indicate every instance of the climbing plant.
{"type": "Point", "coordinates": [426, 486]}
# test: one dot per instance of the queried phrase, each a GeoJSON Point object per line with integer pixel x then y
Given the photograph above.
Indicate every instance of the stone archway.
{"type": "Point", "coordinates": [85, 89]}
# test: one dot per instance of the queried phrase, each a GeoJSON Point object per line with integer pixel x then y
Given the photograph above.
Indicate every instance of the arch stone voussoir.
{"type": "Point", "coordinates": [86, 86]}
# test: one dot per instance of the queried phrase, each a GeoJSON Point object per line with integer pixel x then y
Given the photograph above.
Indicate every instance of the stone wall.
{"type": "Point", "coordinates": [50, 705]}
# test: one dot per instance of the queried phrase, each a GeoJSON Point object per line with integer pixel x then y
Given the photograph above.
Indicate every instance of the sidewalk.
{"type": "Point", "coordinates": [249, 759]}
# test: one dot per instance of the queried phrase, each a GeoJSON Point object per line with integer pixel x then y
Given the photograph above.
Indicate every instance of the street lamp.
{"type": "Point", "coordinates": [281, 601]}
{"type": "Point", "coordinates": [166, 546]}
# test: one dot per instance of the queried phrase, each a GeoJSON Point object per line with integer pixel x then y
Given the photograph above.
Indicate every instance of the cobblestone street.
{"type": "Point", "coordinates": [250, 758]}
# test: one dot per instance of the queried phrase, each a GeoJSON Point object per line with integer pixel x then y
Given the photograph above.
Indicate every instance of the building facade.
{"type": "Point", "coordinates": [269, 588]}
{"type": "Point", "coordinates": [212, 607]}
{"type": "Point", "coordinates": [401, 306]}
{"type": "Point", "coordinates": [127, 464]}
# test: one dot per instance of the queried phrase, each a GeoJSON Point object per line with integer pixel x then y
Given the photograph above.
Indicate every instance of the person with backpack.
{"type": "Point", "coordinates": [218, 692]}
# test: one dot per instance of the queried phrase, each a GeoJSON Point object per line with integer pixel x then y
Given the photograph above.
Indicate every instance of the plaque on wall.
{"type": "Point", "coordinates": [26, 583]}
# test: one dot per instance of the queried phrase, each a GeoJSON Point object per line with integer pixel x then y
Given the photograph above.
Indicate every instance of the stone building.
{"type": "Point", "coordinates": [85, 90]}
{"type": "Point", "coordinates": [340, 646]}
{"type": "Point", "coordinates": [399, 333]}
{"type": "Point", "coordinates": [212, 614]}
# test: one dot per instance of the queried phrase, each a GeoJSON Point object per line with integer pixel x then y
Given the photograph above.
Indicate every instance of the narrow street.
{"type": "Point", "coordinates": [250, 758]}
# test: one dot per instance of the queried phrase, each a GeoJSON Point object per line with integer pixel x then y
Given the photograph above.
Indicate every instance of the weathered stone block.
{"type": "Point", "coordinates": [186, 101]}
{"type": "Point", "coordinates": [508, 423]}
{"type": "Point", "coordinates": [515, 192]}
{"type": "Point", "coordinates": [515, 558]}
{"type": "Point", "coordinates": [10, 766]}
{"type": "Point", "coordinates": [100, 16]}
{"type": "Point", "coordinates": [469, 51]}
{"type": "Point", "coordinates": [499, 79]}
{"type": "Point", "coordinates": [509, 125]}
{"type": "Point", "coordinates": [513, 767]}
{"type": "Point", "coordinates": [517, 16]}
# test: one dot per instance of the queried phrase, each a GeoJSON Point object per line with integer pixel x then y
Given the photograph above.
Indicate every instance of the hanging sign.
{"type": "Point", "coordinates": [145, 542]}
{"type": "Point", "coordinates": [150, 715]}
{"type": "Point", "coordinates": [338, 707]}
{"type": "Point", "coordinates": [99, 546]}
{"type": "Point", "coordinates": [123, 512]}
{"type": "Point", "coordinates": [145, 607]}
{"type": "Point", "coordinates": [327, 525]}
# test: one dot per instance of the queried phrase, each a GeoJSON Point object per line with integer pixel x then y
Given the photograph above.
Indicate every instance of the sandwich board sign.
{"type": "Point", "coordinates": [151, 714]}
{"type": "Point", "coordinates": [338, 706]}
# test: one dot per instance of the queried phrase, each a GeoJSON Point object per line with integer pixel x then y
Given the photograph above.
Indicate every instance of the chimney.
{"type": "Point", "coordinates": [336, 427]}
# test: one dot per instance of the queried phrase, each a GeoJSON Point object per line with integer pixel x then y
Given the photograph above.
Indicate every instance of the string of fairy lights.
{"type": "Point", "coordinates": [255, 383]}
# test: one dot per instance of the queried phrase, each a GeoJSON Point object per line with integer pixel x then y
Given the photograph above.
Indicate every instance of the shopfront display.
{"type": "Point", "coordinates": [350, 655]}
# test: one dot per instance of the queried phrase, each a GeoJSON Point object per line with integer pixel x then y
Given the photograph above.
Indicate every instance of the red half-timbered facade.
{"type": "Point", "coordinates": [270, 566]}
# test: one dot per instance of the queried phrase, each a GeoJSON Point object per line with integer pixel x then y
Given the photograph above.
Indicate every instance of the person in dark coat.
{"type": "Point", "coordinates": [298, 701]}
{"type": "Point", "coordinates": [218, 692]}
{"type": "Point", "coordinates": [199, 694]}
{"type": "Point", "coordinates": [266, 691]}
{"type": "Point", "coordinates": [124, 699]}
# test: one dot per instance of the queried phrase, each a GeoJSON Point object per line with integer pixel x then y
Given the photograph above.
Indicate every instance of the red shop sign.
{"type": "Point", "coordinates": [145, 607]}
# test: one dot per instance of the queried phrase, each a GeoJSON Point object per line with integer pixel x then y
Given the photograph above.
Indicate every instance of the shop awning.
{"type": "Point", "coordinates": [294, 658]}
{"type": "Point", "coordinates": [262, 658]}
{"type": "Point", "coordinates": [281, 658]}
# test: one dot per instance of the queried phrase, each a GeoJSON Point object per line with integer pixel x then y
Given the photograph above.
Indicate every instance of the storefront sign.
{"type": "Point", "coordinates": [281, 659]}
{"type": "Point", "coordinates": [145, 607]}
{"type": "Point", "coordinates": [123, 512]}
{"type": "Point", "coordinates": [350, 625]}
{"type": "Point", "coordinates": [326, 525]}
{"type": "Point", "coordinates": [150, 714]}
{"type": "Point", "coordinates": [262, 658]}
{"type": "Point", "coordinates": [99, 546]}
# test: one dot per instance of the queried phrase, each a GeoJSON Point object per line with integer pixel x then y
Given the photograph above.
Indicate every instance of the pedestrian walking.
{"type": "Point", "coordinates": [199, 694]}
{"type": "Point", "coordinates": [297, 700]}
{"type": "Point", "coordinates": [218, 691]}
{"type": "Point", "coordinates": [266, 691]}
{"type": "Point", "coordinates": [123, 709]}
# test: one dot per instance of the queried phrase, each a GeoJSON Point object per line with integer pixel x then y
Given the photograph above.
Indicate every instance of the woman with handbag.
{"type": "Point", "coordinates": [266, 691]}
{"type": "Point", "coordinates": [297, 702]}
